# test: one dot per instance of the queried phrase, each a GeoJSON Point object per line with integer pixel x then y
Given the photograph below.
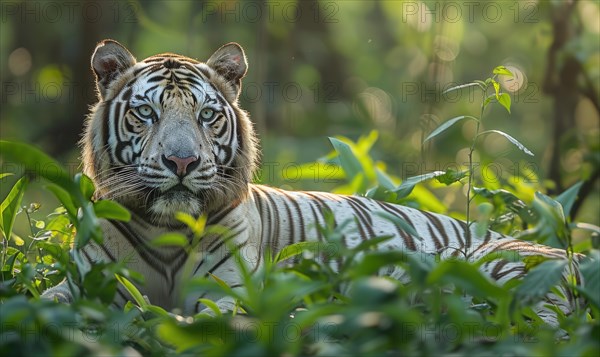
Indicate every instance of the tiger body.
{"type": "Point", "coordinates": [167, 135]}
{"type": "Point", "coordinates": [271, 219]}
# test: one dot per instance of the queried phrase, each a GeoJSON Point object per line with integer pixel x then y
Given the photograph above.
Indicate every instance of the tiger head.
{"type": "Point", "coordinates": [167, 133]}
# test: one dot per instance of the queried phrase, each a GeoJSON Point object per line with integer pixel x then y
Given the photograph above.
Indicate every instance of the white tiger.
{"type": "Point", "coordinates": [167, 135]}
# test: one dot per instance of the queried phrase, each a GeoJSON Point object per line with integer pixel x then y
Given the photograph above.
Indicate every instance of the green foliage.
{"type": "Point", "coordinates": [591, 274]}
{"type": "Point", "coordinates": [540, 279]}
{"type": "Point", "coordinates": [567, 198]}
{"type": "Point", "coordinates": [509, 138]}
{"type": "Point", "coordinates": [296, 304]}
{"type": "Point", "coordinates": [10, 205]}
{"type": "Point", "coordinates": [446, 125]}
{"type": "Point", "coordinates": [409, 184]}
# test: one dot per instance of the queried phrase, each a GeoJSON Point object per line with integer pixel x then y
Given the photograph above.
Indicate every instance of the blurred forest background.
{"type": "Point", "coordinates": [326, 68]}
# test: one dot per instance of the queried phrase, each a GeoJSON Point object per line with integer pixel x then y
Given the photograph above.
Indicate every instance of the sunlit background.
{"type": "Point", "coordinates": [329, 68]}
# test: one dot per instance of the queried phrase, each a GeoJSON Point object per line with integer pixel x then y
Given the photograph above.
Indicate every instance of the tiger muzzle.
{"type": "Point", "coordinates": [180, 166]}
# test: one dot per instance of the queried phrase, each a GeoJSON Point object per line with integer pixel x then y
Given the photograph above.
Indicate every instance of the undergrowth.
{"type": "Point", "coordinates": [297, 304]}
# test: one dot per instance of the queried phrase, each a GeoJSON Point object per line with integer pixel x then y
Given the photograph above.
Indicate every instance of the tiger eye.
{"type": "Point", "coordinates": [207, 113]}
{"type": "Point", "coordinates": [145, 111]}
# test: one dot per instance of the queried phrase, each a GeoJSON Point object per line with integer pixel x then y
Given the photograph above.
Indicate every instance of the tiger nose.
{"type": "Point", "coordinates": [180, 166]}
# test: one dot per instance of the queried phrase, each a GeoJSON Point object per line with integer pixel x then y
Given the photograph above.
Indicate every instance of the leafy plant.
{"type": "Point", "coordinates": [486, 99]}
{"type": "Point", "coordinates": [296, 304]}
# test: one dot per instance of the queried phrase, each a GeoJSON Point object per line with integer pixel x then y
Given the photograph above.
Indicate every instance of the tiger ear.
{"type": "Point", "coordinates": [109, 60]}
{"type": "Point", "coordinates": [230, 62]}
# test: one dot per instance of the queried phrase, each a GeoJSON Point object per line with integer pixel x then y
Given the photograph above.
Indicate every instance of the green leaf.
{"type": "Point", "coordinates": [185, 218]}
{"type": "Point", "coordinates": [64, 198]}
{"type": "Point", "coordinates": [509, 138]}
{"type": "Point", "coordinates": [451, 176]}
{"type": "Point", "coordinates": [591, 277]}
{"type": "Point", "coordinates": [38, 163]}
{"type": "Point", "coordinates": [511, 201]}
{"type": "Point", "coordinates": [10, 206]}
{"type": "Point", "coordinates": [371, 243]}
{"type": "Point", "coordinates": [170, 239]}
{"type": "Point", "coordinates": [502, 70]}
{"type": "Point", "coordinates": [220, 282]}
{"type": "Point", "coordinates": [347, 159]}
{"type": "Point", "coordinates": [505, 101]}
{"type": "Point", "coordinates": [549, 201]}
{"type": "Point", "coordinates": [484, 211]}
{"type": "Point", "coordinates": [56, 251]}
{"type": "Point", "coordinates": [466, 276]}
{"type": "Point", "coordinates": [488, 99]}
{"type": "Point", "coordinates": [211, 284]}
{"type": "Point", "coordinates": [540, 279]}
{"type": "Point", "coordinates": [447, 124]}
{"type": "Point", "coordinates": [568, 197]}
{"type": "Point", "coordinates": [295, 249]}
{"type": "Point", "coordinates": [87, 226]}
{"type": "Point", "coordinates": [409, 184]}
{"type": "Point", "coordinates": [366, 142]}
{"type": "Point", "coordinates": [373, 262]}
{"type": "Point", "coordinates": [6, 174]}
{"type": "Point", "coordinates": [184, 337]}
{"type": "Point", "coordinates": [506, 196]}
{"type": "Point", "coordinates": [133, 291]}
{"type": "Point", "coordinates": [18, 240]}
{"type": "Point", "coordinates": [85, 185]}
{"type": "Point", "coordinates": [211, 305]}
{"type": "Point", "coordinates": [14, 256]}
{"type": "Point", "coordinates": [508, 255]}
{"type": "Point", "coordinates": [550, 226]}
{"type": "Point", "coordinates": [111, 210]}
{"type": "Point", "coordinates": [196, 225]}
{"type": "Point", "coordinates": [496, 89]}
{"type": "Point", "coordinates": [467, 85]}
{"type": "Point", "coordinates": [407, 227]}
{"type": "Point", "coordinates": [356, 186]}
{"type": "Point", "coordinates": [384, 180]}
{"type": "Point", "coordinates": [157, 310]}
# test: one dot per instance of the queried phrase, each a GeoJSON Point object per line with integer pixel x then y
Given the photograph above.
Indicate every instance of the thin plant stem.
{"type": "Point", "coordinates": [471, 168]}
{"type": "Point", "coordinates": [4, 252]}
{"type": "Point", "coordinates": [28, 253]}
